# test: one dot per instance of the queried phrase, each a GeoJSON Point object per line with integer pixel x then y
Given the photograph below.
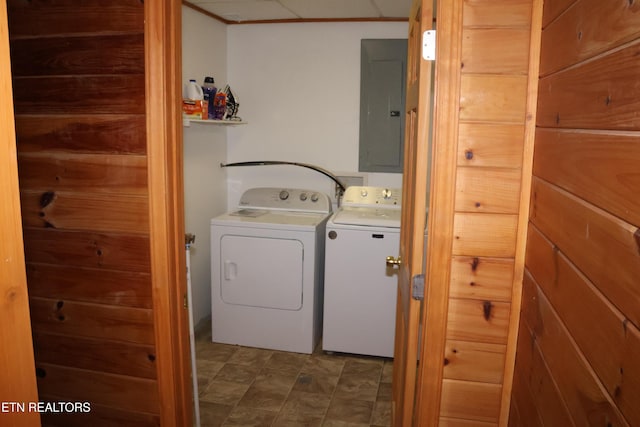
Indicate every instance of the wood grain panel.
{"type": "Point", "coordinates": [481, 278]}
{"type": "Point", "coordinates": [585, 397]}
{"type": "Point", "coordinates": [42, 17]}
{"type": "Point", "coordinates": [102, 173]}
{"type": "Point", "coordinates": [553, 8]}
{"type": "Point", "coordinates": [92, 320]}
{"type": "Point", "coordinates": [126, 288]}
{"type": "Point", "coordinates": [493, 98]}
{"type": "Point", "coordinates": [112, 54]}
{"type": "Point", "coordinates": [599, 94]}
{"type": "Point", "coordinates": [119, 134]}
{"type": "Point", "coordinates": [495, 50]}
{"type": "Point", "coordinates": [491, 145]}
{"type": "Point", "coordinates": [587, 29]}
{"type": "Point", "coordinates": [522, 401]}
{"type": "Point", "coordinates": [115, 213]}
{"type": "Point", "coordinates": [474, 361]}
{"type": "Point", "coordinates": [100, 416]}
{"type": "Point", "coordinates": [128, 393]}
{"type": "Point", "coordinates": [112, 94]}
{"type": "Point", "coordinates": [487, 190]}
{"type": "Point", "coordinates": [85, 249]}
{"type": "Point", "coordinates": [492, 13]}
{"type": "Point", "coordinates": [602, 246]}
{"type": "Point", "coordinates": [457, 422]}
{"type": "Point", "coordinates": [478, 321]}
{"type": "Point", "coordinates": [488, 235]}
{"type": "Point", "coordinates": [609, 343]}
{"type": "Point", "coordinates": [536, 378]}
{"type": "Point", "coordinates": [601, 168]}
{"type": "Point", "coordinates": [470, 400]}
{"type": "Point", "coordinates": [97, 355]}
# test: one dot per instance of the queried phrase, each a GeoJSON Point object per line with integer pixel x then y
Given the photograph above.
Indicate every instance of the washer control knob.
{"type": "Point", "coordinates": [284, 195]}
{"type": "Point", "coordinates": [303, 196]}
{"type": "Point", "coordinates": [386, 193]}
{"type": "Point", "coordinates": [364, 193]}
{"type": "Point", "coordinates": [315, 197]}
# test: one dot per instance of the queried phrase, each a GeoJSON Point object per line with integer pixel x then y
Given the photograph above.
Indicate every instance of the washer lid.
{"type": "Point", "coordinates": [372, 217]}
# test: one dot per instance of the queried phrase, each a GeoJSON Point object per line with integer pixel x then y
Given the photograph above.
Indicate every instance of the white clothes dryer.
{"type": "Point", "coordinates": [267, 268]}
{"type": "Point", "coordinates": [360, 290]}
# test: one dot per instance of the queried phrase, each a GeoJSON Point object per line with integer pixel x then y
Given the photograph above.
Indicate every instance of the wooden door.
{"type": "Point", "coordinates": [414, 194]}
{"type": "Point", "coordinates": [17, 376]}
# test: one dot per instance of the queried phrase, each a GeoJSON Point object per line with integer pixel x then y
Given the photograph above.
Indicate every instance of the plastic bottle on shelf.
{"type": "Point", "coordinates": [220, 105]}
{"type": "Point", "coordinates": [192, 95]}
{"type": "Point", "coordinates": [209, 92]}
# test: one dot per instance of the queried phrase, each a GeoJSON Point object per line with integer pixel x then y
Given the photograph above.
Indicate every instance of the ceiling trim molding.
{"type": "Point", "coordinates": [287, 21]}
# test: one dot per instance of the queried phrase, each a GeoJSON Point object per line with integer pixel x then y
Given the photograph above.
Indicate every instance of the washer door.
{"type": "Point", "coordinates": [261, 272]}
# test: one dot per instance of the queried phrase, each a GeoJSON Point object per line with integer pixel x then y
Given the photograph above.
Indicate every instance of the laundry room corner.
{"type": "Point", "coordinates": [204, 53]}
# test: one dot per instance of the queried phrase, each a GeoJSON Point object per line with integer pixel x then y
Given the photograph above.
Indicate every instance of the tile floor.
{"type": "Point", "coordinates": [242, 386]}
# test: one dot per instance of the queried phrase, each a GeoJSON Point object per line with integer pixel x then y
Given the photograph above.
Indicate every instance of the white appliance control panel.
{"type": "Point", "coordinates": [289, 199]}
{"type": "Point", "coordinates": [373, 197]}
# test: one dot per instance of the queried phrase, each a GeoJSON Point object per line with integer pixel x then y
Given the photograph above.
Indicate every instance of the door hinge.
{"type": "Point", "coordinates": [429, 45]}
{"type": "Point", "coordinates": [417, 287]}
{"type": "Point", "coordinates": [185, 302]}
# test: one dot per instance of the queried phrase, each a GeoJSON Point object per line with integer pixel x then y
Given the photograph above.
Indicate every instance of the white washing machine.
{"type": "Point", "coordinates": [360, 290]}
{"type": "Point", "coordinates": [267, 268]}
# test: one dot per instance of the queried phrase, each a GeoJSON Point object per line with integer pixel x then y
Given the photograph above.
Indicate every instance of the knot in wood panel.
{"type": "Point", "coordinates": [486, 308]}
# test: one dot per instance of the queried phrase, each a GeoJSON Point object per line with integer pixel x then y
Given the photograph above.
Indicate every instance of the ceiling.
{"type": "Point", "coordinates": [277, 10]}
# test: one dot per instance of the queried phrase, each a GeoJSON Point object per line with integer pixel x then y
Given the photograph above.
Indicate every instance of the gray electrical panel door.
{"type": "Point", "coordinates": [382, 104]}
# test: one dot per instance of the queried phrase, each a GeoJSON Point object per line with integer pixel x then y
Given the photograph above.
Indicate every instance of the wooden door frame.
{"type": "Point", "coordinates": [18, 375]}
{"type": "Point", "coordinates": [163, 68]}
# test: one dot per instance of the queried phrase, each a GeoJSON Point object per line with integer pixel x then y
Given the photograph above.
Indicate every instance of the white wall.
{"type": "Point", "coordinates": [204, 53]}
{"type": "Point", "coordinates": [299, 90]}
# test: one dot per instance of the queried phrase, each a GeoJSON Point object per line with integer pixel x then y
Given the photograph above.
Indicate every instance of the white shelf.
{"type": "Point", "coordinates": [187, 122]}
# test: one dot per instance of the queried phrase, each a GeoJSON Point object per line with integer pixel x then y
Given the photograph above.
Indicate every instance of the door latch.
{"type": "Point", "coordinates": [417, 287]}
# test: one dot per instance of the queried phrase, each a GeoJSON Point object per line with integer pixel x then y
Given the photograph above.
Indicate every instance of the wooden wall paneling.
{"type": "Point", "coordinates": [95, 173]}
{"type": "Point", "coordinates": [481, 278]}
{"type": "Point", "coordinates": [491, 145]}
{"type": "Point", "coordinates": [602, 246]}
{"type": "Point", "coordinates": [114, 213]}
{"type": "Point", "coordinates": [94, 285]}
{"type": "Point", "coordinates": [44, 18]}
{"type": "Point", "coordinates": [479, 321]}
{"type": "Point", "coordinates": [87, 249]}
{"type": "Point", "coordinates": [493, 98]}
{"type": "Point", "coordinates": [470, 400]}
{"type": "Point", "coordinates": [112, 94]}
{"type": "Point", "coordinates": [115, 357]}
{"type": "Point", "coordinates": [93, 54]}
{"type": "Point", "coordinates": [474, 361]}
{"type": "Point", "coordinates": [118, 391]}
{"type": "Point", "coordinates": [599, 167]}
{"type": "Point", "coordinates": [92, 320]}
{"type": "Point", "coordinates": [609, 343]}
{"type": "Point", "coordinates": [597, 94]}
{"type": "Point", "coordinates": [541, 389]}
{"type": "Point", "coordinates": [89, 133]}
{"type": "Point", "coordinates": [457, 422]}
{"type": "Point", "coordinates": [523, 411]}
{"type": "Point", "coordinates": [101, 416]}
{"type": "Point", "coordinates": [495, 50]}
{"type": "Point", "coordinates": [587, 29]}
{"type": "Point", "coordinates": [490, 235]}
{"type": "Point", "coordinates": [487, 190]}
{"type": "Point", "coordinates": [488, 13]}
{"type": "Point", "coordinates": [553, 9]}
{"type": "Point", "coordinates": [583, 394]}
{"type": "Point", "coordinates": [17, 376]}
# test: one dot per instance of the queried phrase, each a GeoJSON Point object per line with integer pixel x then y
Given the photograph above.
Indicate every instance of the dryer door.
{"type": "Point", "coordinates": [261, 272]}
